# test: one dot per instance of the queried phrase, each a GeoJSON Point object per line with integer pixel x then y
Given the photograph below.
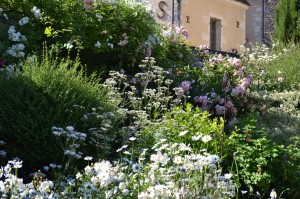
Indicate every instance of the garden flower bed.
{"type": "Point", "coordinates": [98, 101]}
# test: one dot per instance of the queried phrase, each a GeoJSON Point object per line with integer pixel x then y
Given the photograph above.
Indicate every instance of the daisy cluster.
{"type": "Point", "coordinates": [13, 187]}
{"type": "Point", "coordinates": [175, 171]}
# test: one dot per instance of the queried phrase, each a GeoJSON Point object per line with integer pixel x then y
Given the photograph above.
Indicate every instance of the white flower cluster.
{"type": "Point", "coordinates": [16, 50]}
{"type": "Point", "coordinates": [23, 21]}
{"type": "Point", "coordinates": [13, 187]}
{"type": "Point", "coordinates": [13, 35]}
{"type": "Point", "coordinates": [37, 12]}
{"type": "Point", "coordinates": [70, 133]}
{"type": "Point", "coordinates": [75, 137]}
{"type": "Point", "coordinates": [170, 173]}
{"type": "Point", "coordinates": [108, 178]}
{"type": "Point", "coordinates": [174, 171]}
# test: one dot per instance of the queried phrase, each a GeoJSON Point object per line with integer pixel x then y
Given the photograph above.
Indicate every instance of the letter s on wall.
{"type": "Point", "coordinates": [161, 4]}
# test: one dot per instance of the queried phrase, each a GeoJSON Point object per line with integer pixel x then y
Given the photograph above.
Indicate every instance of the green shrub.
{"type": "Point", "coordinates": [253, 157]}
{"type": "Point", "coordinates": [187, 125]}
{"type": "Point", "coordinates": [109, 34]}
{"type": "Point", "coordinates": [48, 93]}
{"type": "Point", "coordinates": [279, 114]}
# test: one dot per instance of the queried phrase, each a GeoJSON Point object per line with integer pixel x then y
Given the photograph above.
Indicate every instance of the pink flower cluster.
{"type": "Point", "coordinates": [220, 109]}
{"type": "Point", "coordinates": [200, 100]}
{"type": "Point", "coordinates": [182, 30]}
{"type": "Point", "coordinates": [237, 91]}
{"type": "Point", "coordinates": [240, 89]}
{"type": "Point", "coordinates": [186, 85]}
{"type": "Point", "coordinates": [216, 60]}
{"type": "Point", "coordinates": [235, 61]}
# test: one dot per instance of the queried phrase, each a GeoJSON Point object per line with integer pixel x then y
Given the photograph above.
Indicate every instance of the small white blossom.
{"type": "Point", "coordinates": [70, 128]}
{"type": "Point", "coordinates": [132, 138]}
{"type": "Point", "coordinates": [206, 138]}
{"type": "Point", "coordinates": [228, 176]}
{"type": "Point", "coordinates": [196, 138]}
{"type": "Point", "coordinates": [88, 158]}
{"type": "Point", "coordinates": [273, 194]}
{"type": "Point", "coordinates": [183, 133]}
{"type": "Point", "coordinates": [177, 160]}
{"type": "Point", "coordinates": [127, 152]}
{"type": "Point", "coordinates": [15, 164]}
{"type": "Point", "coordinates": [122, 185]}
{"type": "Point", "coordinates": [5, 16]}
{"type": "Point", "coordinates": [68, 46]}
{"type": "Point", "coordinates": [98, 44]}
{"type": "Point", "coordinates": [136, 167]}
{"type": "Point", "coordinates": [46, 186]}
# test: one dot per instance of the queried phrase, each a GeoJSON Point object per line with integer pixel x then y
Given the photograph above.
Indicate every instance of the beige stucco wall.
{"type": "Point", "coordinates": [228, 11]}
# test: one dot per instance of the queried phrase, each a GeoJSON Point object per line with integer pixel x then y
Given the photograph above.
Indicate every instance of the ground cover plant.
{"type": "Point", "coordinates": [197, 127]}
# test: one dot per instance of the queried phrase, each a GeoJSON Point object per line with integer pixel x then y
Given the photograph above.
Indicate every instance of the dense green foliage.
{"type": "Point", "coordinates": [287, 21]}
{"type": "Point", "coordinates": [109, 34]}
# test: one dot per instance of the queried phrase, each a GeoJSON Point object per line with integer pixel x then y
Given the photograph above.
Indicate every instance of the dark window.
{"type": "Point", "coordinates": [215, 34]}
